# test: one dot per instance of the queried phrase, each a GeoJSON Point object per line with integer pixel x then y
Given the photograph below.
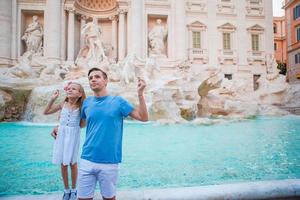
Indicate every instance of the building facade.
{"type": "Point", "coordinates": [233, 36]}
{"type": "Point", "coordinates": [292, 18]}
{"type": "Point", "coordinates": [279, 39]}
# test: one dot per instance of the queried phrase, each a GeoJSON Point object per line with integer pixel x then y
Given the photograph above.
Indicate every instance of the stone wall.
{"type": "Point", "coordinates": [12, 104]}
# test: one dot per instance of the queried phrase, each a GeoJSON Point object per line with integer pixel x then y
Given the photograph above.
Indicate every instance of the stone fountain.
{"type": "Point", "coordinates": [175, 91]}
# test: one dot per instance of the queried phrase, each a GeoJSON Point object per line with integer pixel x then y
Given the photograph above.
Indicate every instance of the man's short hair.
{"type": "Point", "coordinates": [98, 69]}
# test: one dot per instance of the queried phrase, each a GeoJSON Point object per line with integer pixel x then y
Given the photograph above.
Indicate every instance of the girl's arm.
{"type": "Point", "coordinates": [50, 109]}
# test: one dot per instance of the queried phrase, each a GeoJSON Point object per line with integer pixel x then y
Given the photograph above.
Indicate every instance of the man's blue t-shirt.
{"type": "Point", "coordinates": [104, 130]}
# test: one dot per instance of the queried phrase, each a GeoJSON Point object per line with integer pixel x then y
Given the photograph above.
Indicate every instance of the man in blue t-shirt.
{"type": "Point", "coordinates": [102, 149]}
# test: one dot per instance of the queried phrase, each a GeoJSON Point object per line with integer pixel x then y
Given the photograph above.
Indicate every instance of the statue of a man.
{"type": "Point", "coordinates": [156, 38]}
{"type": "Point", "coordinates": [33, 36]}
{"type": "Point", "coordinates": [271, 64]}
{"type": "Point", "coordinates": [93, 50]}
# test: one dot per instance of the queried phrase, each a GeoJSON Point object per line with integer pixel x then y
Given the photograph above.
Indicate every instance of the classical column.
{"type": "Point", "coordinates": [212, 34]}
{"type": "Point", "coordinates": [242, 47]}
{"type": "Point", "coordinates": [71, 35]}
{"type": "Point", "coordinates": [114, 34]}
{"type": "Point", "coordinates": [14, 31]}
{"type": "Point", "coordinates": [52, 29]}
{"type": "Point", "coordinates": [63, 34]}
{"type": "Point", "coordinates": [190, 48]}
{"type": "Point", "coordinates": [121, 50]}
{"type": "Point", "coordinates": [180, 26]}
{"type": "Point", "coordinates": [82, 23]}
{"type": "Point", "coordinates": [136, 27]}
{"type": "Point", "coordinates": [268, 34]}
{"type": "Point", "coordinates": [5, 31]}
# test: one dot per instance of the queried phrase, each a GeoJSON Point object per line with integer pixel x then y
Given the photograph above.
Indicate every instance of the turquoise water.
{"type": "Point", "coordinates": [162, 155]}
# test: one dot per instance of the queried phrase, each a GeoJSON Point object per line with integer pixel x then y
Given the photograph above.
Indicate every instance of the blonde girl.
{"type": "Point", "coordinates": [66, 145]}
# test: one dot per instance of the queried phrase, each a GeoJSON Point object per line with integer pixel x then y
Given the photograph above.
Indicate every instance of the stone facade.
{"type": "Point", "coordinates": [231, 36]}
{"type": "Point", "coordinates": [293, 41]}
{"type": "Point", "coordinates": [279, 39]}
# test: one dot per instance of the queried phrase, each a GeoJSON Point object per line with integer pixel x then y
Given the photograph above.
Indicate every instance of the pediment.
{"type": "Point", "coordinates": [256, 27]}
{"type": "Point", "coordinates": [197, 24]}
{"type": "Point", "coordinates": [227, 26]}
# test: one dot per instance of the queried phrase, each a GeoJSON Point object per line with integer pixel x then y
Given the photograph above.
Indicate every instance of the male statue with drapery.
{"type": "Point", "coordinates": [92, 53]}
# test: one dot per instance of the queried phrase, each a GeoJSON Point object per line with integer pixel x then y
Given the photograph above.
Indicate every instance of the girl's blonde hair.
{"type": "Point", "coordinates": [80, 99]}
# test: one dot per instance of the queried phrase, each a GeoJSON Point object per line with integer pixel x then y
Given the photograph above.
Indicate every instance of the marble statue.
{"type": "Point", "coordinates": [54, 71]}
{"type": "Point", "coordinates": [156, 39]}
{"type": "Point", "coordinates": [92, 53]}
{"type": "Point", "coordinates": [227, 87]}
{"type": "Point", "coordinates": [271, 67]}
{"type": "Point", "coordinates": [23, 69]}
{"type": "Point", "coordinates": [151, 66]}
{"type": "Point", "coordinates": [212, 82]}
{"type": "Point", "coordinates": [128, 69]}
{"type": "Point", "coordinates": [33, 37]}
{"type": "Point", "coordinates": [185, 70]}
{"type": "Point", "coordinates": [269, 63]}
{"type": "Point", "coordinates": [114, 71]}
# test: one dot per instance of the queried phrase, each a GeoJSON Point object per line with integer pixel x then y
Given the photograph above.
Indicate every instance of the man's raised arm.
{"type": "Point", "coordinates": [140, 112]}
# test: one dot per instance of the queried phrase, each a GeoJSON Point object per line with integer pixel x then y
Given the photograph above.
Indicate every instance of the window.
{"type": "Point", "coordinates": [297, 58]}
{"type": "Point", "coordinates": [274, 28]}
{"type": "Point", "coordinates": [228, 76]}
{"type": "Point", "coordinates": [296, 11]}
{"type": "Point", "coordinates": [255, 81]}
{"type": "Point", "coordinates": [226, 41]}
{"type": "Point", "coordinates": [196, 40]}
{"type": "Point", "coordinates": [298, 34]}
{"type": "Point", "coordinates": [255, 42]}
{"type": "Point", "coordinates": [254, 1]}
{"type": "Point", "coordinates": [275, 46]}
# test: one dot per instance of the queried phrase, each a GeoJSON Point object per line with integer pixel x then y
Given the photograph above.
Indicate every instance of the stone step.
{"type": "Point", "coordinates": [277, 189]}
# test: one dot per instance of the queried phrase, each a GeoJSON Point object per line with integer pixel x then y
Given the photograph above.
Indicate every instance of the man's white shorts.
{"type": "Point", "coordinates": [90, 173]}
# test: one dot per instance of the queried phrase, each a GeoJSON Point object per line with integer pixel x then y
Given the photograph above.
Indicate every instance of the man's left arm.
{"type": "Point", "coordinates": [140, 112]}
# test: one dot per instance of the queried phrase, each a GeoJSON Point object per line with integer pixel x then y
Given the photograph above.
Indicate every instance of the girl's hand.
{"type": "Point", "coordinates": [55, 95]}
{"type": "Point", "coordinates": [67, 86]}
{"type": "Point", "coordinates": [54, 132]}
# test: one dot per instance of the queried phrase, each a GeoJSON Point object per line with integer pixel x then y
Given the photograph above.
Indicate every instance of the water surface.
{"type": "Point", "coordinates": [162, 155]}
